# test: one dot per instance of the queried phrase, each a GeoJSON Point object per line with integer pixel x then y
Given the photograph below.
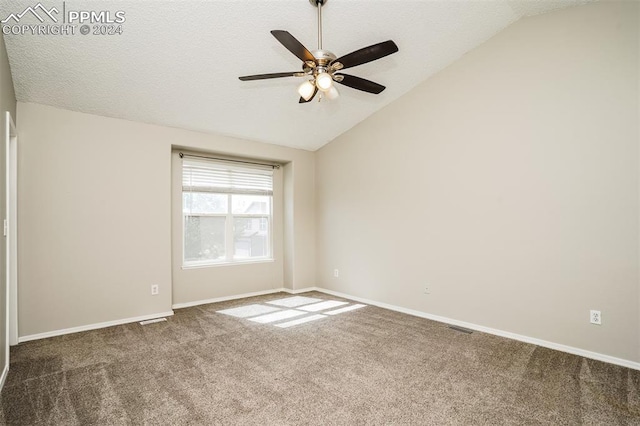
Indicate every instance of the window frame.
{"type": "Point", "coordinates": [229, 234]}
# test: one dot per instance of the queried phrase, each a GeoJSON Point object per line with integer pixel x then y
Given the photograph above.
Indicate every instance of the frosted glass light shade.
{"type": "Point", "coordinates": [332, 93]}
{"type": "Point", "coordinates": [306, 89]}
{"type": "Point", "coordinates": [324, 81]}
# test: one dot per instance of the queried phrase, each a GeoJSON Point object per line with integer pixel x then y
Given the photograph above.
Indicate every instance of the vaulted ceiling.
{"type": "Point", "coordinates": [177, 63]}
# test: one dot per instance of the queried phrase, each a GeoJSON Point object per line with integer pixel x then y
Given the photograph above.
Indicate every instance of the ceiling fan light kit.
{"type": "Point", "coordinates": [324, 81]}
{"type": "Point", "coordinates": [320, 66]}
{"type": "Point", "coordinates": [332, 93]}
{"type": "Point", "coordinates": [306, 90]}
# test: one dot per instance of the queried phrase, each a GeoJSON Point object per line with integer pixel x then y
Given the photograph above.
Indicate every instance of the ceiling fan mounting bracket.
{"type": "Point", "coordinates": [317, 2]}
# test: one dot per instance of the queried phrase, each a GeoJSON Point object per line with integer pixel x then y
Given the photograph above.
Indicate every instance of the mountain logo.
{"type": "Point", "coordinates": [38, 11]}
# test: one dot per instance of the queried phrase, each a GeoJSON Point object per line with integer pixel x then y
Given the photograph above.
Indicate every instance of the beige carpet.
{"type": "Point", "coordinates": [365, 366]}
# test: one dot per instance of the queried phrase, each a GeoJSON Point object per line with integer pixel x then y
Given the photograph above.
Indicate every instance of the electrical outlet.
{"type": "Point", "coordinates": [595, 317]}
{"type": "Point", "coordinates": [155, 290]}
{"type": "Point", "coordinates": [336, 273]}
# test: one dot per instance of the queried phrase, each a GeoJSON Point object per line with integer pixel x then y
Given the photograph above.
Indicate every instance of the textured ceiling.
{"type": "Point", "coordinates": [177, 62]}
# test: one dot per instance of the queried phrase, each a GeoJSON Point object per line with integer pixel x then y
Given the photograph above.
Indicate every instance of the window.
{"type": "Point", "coordinates": [227, 212]}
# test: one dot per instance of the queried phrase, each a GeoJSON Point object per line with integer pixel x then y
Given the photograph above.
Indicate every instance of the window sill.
{"type": "Point", "coordinates": [234, 263]}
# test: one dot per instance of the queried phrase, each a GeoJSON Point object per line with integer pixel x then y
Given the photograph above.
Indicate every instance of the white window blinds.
{"type": "Point", "coordinates": [229, 178]}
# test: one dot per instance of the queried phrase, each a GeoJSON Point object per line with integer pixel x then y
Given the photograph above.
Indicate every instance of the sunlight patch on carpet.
{"type": "Point", "coordinates": [249, 311]}
{"type": "Point", "coordinates": [328, 304]}
{"type": "Point", "coordinates": [345, 309]}
{"type": "Point", "coordinates": [295, 301]}
{"type": "Point", "coordinates": [277, 316]}
{"type": "Point", "coordinates": [303, 309]}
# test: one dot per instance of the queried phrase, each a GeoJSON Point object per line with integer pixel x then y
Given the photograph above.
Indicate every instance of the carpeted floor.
{"type": "Point", "coordinates": [365, 366]}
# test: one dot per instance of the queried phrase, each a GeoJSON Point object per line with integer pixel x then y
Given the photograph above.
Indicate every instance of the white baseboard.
{"type": "Point", "coordinates": [71, 330]}
{"type": "Point", "coordinates": [54, 333]}
{"type": "Point", "coordinates": [301, 290]}
{"type": "Point", "coordinates": [526, 339]}
{"type": "Point", "coordinates": [5, 373]}
{"type": "Point", "coordinates": [226, 298]}
{"type": "Point", "coordinates": [242, 296]}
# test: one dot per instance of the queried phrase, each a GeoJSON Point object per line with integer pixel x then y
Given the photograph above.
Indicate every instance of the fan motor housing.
{"type": "Point", "coordinates": [323, 56]}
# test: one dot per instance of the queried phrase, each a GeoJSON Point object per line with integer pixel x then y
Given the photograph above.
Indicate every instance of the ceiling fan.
{"type": "Point", "coordinates": [320, 67]}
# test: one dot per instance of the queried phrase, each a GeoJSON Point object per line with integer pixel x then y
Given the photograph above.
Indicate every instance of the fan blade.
{"type": "Point", "coordinates": [302, 101]}
{"type": "Point", "coordinates": [368, 54]}
{"type": "Point", "coordinates": [360, 84]}
{"type": "Point", "coordinates": [293, 45]}
{"type": "Point", "coordinates": [272, 75]}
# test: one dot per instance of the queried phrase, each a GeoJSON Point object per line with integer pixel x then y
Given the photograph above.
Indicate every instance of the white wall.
{"type": "Point", "coordinates": [7, 103]}
{"type": "Point", "coordinates": [95, 218]}
{"type": "Point", "coordinates": [507, 184]}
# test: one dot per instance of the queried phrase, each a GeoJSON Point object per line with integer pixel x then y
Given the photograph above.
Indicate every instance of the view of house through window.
{"type": "Point", "coordinates": [227, 212]}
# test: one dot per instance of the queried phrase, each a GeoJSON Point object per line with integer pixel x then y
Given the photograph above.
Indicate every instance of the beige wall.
{"type": "Point", "coordinates": [95, 219]}
{"type": "Point", "coordinates": [288, 232]}
{"type": "Point", "coordinates": [507, 184]}
{"type": "Point", "coordinates": [7, 103]}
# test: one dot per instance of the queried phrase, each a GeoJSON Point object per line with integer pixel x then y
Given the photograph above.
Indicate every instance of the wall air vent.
{"type": "Point", "coordinates": [152, 321]}
{"type": "Point", "coordinates": [461, 329]}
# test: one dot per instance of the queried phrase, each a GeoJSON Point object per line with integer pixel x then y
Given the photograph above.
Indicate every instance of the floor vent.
{"type": "Point", "coordinates": [462, 329]}
{"type": "Point", "coordinates": [152, 321]}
